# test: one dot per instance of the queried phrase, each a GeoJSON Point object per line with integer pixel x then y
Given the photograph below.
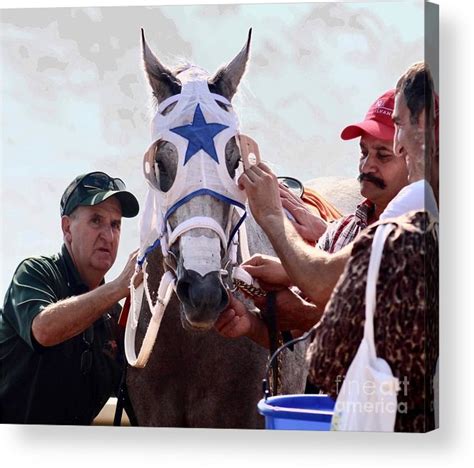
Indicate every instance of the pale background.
{"type": "Point", "coordinates": [75, 98]}
{"type": "Point", "coordinates": [452, 445]}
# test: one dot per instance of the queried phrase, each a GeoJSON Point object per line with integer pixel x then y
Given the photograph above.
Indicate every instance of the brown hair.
{"type": "Point", "coordinates": [417, 87]}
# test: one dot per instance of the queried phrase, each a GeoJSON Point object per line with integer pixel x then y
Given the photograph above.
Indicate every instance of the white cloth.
{"type": "Point", "coordinates": [367, 400]}
{"type": "Point", "coordinates": [417, 196]}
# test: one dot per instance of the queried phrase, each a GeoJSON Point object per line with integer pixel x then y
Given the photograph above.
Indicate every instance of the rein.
{"type": "Point", "coordinates": [270, 318]}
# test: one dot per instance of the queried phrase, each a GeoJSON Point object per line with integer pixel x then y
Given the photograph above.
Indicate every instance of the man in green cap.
{"type": "Point", "coordinates": [58, 348]}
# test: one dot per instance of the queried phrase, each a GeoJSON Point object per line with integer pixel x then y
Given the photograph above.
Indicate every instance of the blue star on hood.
{"type": "Point", "coordinates": [200, 135]}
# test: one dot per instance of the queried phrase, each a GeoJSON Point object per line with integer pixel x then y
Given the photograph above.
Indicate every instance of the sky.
{"type": "Point", "coordinates": [74, 97]}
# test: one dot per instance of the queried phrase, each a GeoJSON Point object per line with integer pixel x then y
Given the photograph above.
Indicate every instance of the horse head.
{"type": "Point", "coordinates": [194, 207]}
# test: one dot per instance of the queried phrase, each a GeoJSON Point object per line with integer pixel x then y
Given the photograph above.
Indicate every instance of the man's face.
{"type": "Point", "coordinates": [409, 141]}
{"type": "Point", "coordinates": [93, 233]}
{"type": "Point", "coordinates": [382, 174]}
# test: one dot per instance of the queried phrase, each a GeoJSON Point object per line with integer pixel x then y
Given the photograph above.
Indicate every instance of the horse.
{"type": "Point", "coordinates": [195, 377]}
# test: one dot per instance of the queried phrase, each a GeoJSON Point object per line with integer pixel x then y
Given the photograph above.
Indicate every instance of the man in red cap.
{"type": "Point", "coordinates": [381, 174]}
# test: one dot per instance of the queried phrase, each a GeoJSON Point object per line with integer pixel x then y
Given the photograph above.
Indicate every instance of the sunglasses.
{"type": "Point", "coordinates": [294, 185]}
{"type": "Point", "coordinates": [93, 180]}
{"type": "Point", "coordinates": [86, 356]}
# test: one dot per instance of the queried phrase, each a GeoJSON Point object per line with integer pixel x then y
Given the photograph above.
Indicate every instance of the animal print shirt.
{"type": "Point", "coordinates": [343, 231]}
{"type": "Point", "coordinates": [405, 323]}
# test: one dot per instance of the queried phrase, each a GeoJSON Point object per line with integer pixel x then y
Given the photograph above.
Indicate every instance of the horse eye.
{"type": "Point", "coordinates": [232, 157]}
{"type": "Point", "coordinates": [165, 165]}
{"type": "Point", "coordinates": [160, 166]}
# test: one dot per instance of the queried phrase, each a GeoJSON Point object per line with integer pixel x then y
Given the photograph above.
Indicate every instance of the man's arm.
{"type": "Point", "coordinates": [315, 272]}
{"type": "Point", "coordinates": [293, 313]}
{"type": "Point", "coordinates": [67, 318]}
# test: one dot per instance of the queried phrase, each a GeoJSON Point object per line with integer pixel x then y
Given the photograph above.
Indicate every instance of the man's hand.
{"type": "Point", "coordinates": [309, 226]}
{"type": "Point", "coordinates": [122, 282]}
{"type": "Point", "coordinates": [261, 186]}
{"type": "Point", "coordinates": [293, 312]}
{"type": "Point", "coordinates": [268, 271]}
{"type": "Point", "coordinates": [236, 321]}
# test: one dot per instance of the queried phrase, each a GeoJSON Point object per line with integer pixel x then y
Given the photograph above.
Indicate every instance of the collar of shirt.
{"type": "Point", "coordinates": [363, 212]}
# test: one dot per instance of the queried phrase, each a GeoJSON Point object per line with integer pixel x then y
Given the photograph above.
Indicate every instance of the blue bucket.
{"type": "Point", "coordinates": [297, 412]}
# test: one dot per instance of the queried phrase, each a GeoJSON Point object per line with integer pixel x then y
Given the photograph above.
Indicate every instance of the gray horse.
{"type": "Point", "coordinates": [195, 377]}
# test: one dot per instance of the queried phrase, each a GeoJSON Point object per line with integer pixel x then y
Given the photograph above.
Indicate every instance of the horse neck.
{"type": "Point", "coordinates": [257, 239]}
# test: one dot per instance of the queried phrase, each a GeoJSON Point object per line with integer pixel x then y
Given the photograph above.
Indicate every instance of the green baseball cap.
{"type": "Point", "coordinates": [95, 187]}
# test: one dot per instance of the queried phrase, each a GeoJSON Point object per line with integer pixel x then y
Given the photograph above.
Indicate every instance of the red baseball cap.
{"type": "Point", "coordinates": [377, 122]}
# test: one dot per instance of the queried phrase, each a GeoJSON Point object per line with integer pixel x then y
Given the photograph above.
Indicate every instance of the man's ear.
{"type": "Point", "coordinates": [66, 228]}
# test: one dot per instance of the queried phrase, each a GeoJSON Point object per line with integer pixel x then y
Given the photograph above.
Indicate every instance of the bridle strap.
{"type": "Point", "coordinates": [244, 243]}
{"type": "Point", "coordinates": [269, 315]}
{"type": "Point", "coordinates": [167, 286]}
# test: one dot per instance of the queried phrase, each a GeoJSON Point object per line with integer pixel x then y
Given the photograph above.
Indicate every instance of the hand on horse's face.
{"type": "Point", "coordinates": [123, 280]}
{"type": "Point", "coordinates": [236, 321]}
{"type": "Point", "coordinates": [262, 188]}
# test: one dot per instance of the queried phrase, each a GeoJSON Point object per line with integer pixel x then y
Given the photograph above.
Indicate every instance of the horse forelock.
{"type": "Point", "coordinates": [189, 71]}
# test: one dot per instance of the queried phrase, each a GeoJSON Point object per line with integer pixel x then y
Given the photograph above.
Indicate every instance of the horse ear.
{"type": "Point", "coordinates": [162, 81]}
{"type": "Point", "coordinates": [227, 79]}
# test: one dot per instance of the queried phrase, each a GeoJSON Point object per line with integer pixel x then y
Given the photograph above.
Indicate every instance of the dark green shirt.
{"type": "Point", "coordinates": [49, 385]}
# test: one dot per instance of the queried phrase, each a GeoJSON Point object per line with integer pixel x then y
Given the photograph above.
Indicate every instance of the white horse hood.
{"type": "Point", "coordinates": [200, 130]}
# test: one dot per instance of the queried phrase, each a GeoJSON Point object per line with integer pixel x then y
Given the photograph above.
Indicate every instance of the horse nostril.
{"type": "Point", "coordinates": [182, 289]}
{"type": "Point", "coordinates": [205, 294]}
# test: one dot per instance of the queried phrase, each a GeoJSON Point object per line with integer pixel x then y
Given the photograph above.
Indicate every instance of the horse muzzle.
{"type": "Point", "coordinates": [203, 297]}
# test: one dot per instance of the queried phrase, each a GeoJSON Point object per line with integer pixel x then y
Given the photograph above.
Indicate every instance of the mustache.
{"type": "Point", "coordinates": [371, 178]}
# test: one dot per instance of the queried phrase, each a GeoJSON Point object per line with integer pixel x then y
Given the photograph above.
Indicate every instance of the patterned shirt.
{"type": "Point", "coordinates": [343, 231]}
{"type": "Point", "coordinates": [406, 320]}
